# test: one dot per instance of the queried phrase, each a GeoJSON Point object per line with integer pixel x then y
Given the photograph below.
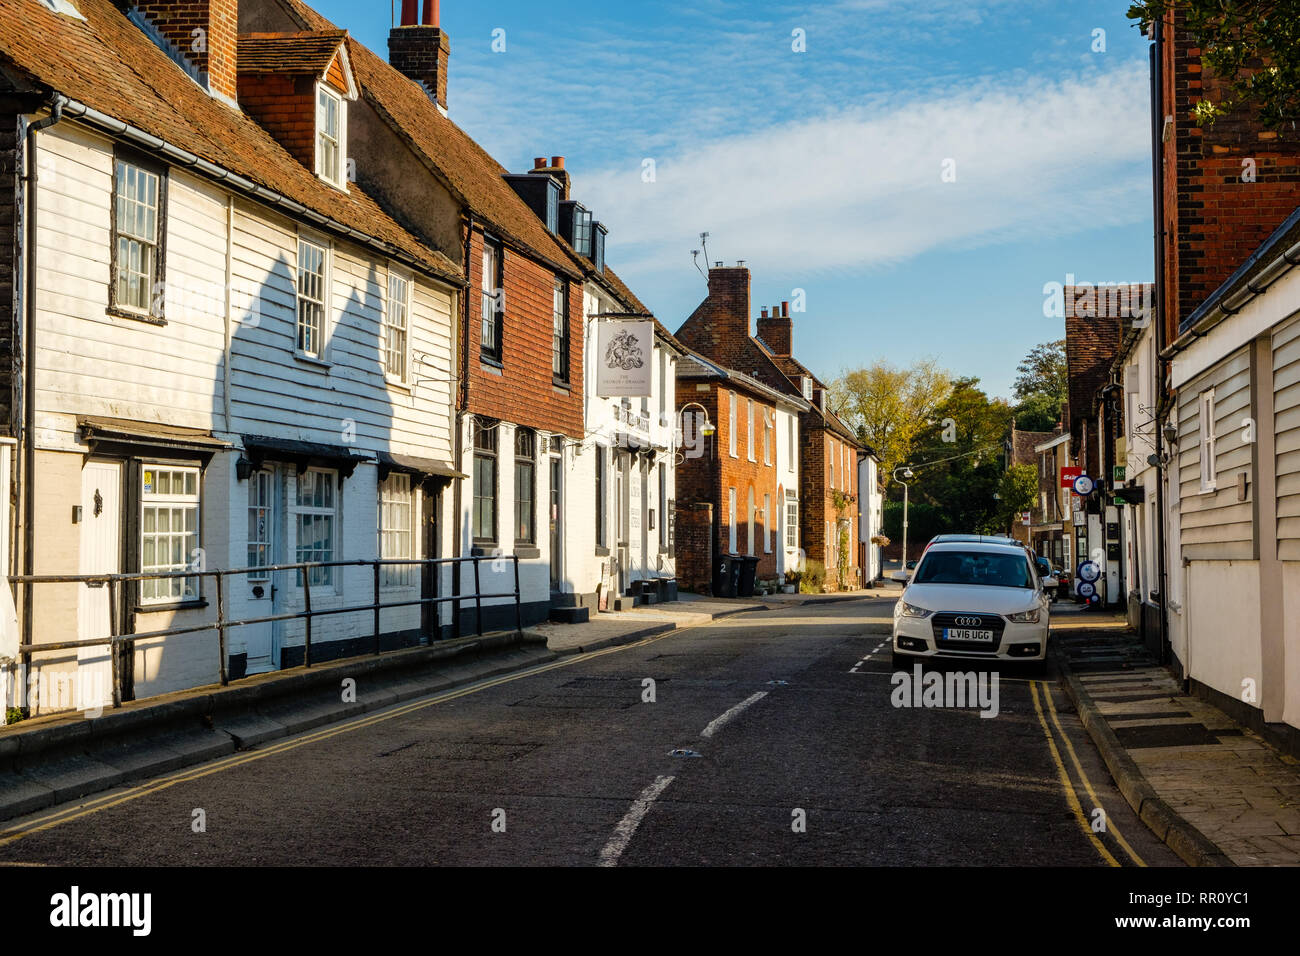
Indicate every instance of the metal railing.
{"type": "Point", "coordinates": [115, 582]}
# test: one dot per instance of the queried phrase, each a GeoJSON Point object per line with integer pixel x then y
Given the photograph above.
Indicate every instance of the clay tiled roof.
{"type": "Point", "coordinates": [309, 51]}
{"type": "Point", "coordinates": [464, 166]}
{"type": "Point", "coordinates": [108, 64]}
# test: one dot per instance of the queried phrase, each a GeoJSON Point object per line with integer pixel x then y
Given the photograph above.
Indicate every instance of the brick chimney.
{"type": "Point", "coordinates": [719, 326]}
{"type": "Point", "coordinates": [420, 50]}
{"type": "Point", "coordinates": [555, 168]}
{"type": "Point", "coordinates": [204, 33]}
{"type": "Point", "coordinates": [775, 330]}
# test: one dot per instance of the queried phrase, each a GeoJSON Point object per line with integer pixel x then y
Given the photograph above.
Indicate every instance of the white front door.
{"type": "Point", "coordinates": [101, 553]}
{"type": "Point", "coordinates": [261, 596]}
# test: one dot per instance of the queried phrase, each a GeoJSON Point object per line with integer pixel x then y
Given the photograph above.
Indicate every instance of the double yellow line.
{"type": "Point", "coordinates": [120, 797]}
{"type": "Point", "coordinates": [1071, 795]}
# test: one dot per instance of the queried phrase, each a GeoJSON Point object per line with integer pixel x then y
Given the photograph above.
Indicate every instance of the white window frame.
{"type": "Point", "coordinates": [136, 234]}
{"type": "Point", "coordinates": [261, 511]}
{"type": "Point", "coordinates": [731, 520]}
{"type": "Point", "coordinates": [749, 436]}
{"type": "Point", "coordinates": [793, 441]}
{"type": "Point", "coordinates": [301, 298]}
{"type": "Point", "coordinates": [320, 577]}
{"type": "Point", "coordinates": [751, 511]}
{"type": "Point", "coordinates": [767, 524]}
{"type": "Point", "coordinates": [1209, 465]}
{"type": "Point", "coordinates": [337, 175]}
{"type": "Point", "coordinates": [396, 527]}
{"type": "Point", "coordinates": [791, 521]}
{"type": "Point", "coordinates": [186, 589]}
{"type": "Point", "coordinates": [731, 424]}
{"type": "Point", "coordinates": [769, 426]}
{"type": "Point", "coordinates": [397, 334]}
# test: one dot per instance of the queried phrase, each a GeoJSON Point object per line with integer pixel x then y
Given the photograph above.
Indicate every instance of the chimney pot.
{"type": "Point", "coordinates": [539, 162]}
{"type": "Point", "coordinates": [785, 309]}
{"type": "Point", "coordinates": [764, 315]}
{"type": "Point", "coordinates": [557, 162]}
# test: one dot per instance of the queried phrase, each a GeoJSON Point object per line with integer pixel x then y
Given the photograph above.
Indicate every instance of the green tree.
{"type": "Point", "coordinates": [1017, 491]}
{"type": "Point", "coordinates": [1043, 371]}
{"type": "Point", "coordinates": [1038, 413]}
{"type": "Point", "coordinates": [889, 406]}
{"type": "Point", "coordinates": [1253, 45]}
{"type": "Point", "coordinates": [960, 456]}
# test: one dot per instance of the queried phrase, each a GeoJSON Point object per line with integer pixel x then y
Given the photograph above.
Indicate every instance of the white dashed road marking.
{"type": "Point", "coordinates": [716, 724]}
{"type": "Point", "coordinates": [632, 819]}
{"type": "Point", "coordinates": [874, 651]}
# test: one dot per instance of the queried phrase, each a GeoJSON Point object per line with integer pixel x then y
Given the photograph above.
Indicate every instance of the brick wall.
{"type": "Point", "coordinates": [285, 106]}
{"type": "Point", "coordinates": [219, 21]}
{"type": "Point", "coordinates": [695, 546]}
{"type": "Point", "coordinates": [817, 495]}
{"type": "Point", "coordinates": [1214, 216]}
{"type": "Point", "coordinates": [522, 390]}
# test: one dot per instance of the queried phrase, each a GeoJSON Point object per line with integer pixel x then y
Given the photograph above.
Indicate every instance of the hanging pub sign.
{"type": "Point", "coordinates": [623, 358]}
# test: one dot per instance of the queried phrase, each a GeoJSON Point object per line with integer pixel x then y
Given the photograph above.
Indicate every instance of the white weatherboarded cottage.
{"type": "Point", "coordinates": [236, 359]}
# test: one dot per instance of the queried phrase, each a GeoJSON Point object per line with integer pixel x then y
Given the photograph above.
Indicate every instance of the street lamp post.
{"type": "Point", "coordinates": [907, 473]}
{"type": "Point", "coordinates": [707, 429]}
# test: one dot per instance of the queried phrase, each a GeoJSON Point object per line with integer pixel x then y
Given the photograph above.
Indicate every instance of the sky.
{"type": "Point", "coordinates": [921, 171]}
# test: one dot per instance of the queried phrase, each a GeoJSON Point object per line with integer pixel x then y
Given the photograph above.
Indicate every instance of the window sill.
{"type": "Point", "coordinates": [145, 317]}
{"type": "Point", "coordinates": [193, 605]}
{"type": "Point", "coordinates": [602, 552]}
{"type": "Point", "coordinates": [527, 551]}
{"type": "Point", "coordinates": [311, 360]}
{"type": "Point", "coordinates": [398, 385]}
{"type": "Point", "coordinates": [484, 549]}
{"type": "Point", "coordinates": [490, 363]}
{"type": "Point", "coordinates": [561, 383]}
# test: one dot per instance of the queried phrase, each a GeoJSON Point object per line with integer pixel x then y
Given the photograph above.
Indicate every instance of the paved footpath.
{"type": "Point", "coordinates": [1215, 776]}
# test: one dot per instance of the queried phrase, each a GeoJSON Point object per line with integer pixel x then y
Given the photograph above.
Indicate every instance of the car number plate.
{"type": "Point", "coordinates": [966, 634]}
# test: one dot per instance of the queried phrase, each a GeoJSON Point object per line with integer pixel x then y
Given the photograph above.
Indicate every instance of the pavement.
{"type": "Point", "coordinates": [1217, 793]}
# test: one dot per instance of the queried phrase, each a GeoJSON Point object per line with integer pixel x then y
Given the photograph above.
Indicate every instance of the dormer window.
{"type": "Point", "coordinates": [582, 231]}
{"type": "Point", "coordinates": [807, 388]}
{"type": "Point", "coordinates": [598, 246]}
{"type": "Point", "coordinates": [553, 206]}
{"type": "Point", "coordinates": [329, 135]}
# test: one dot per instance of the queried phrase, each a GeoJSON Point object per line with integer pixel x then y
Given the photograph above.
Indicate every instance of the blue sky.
{"type": "Point", "coordinates": [823, 169]}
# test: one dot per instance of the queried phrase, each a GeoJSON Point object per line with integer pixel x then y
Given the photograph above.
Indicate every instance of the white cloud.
{"type": "Point", "coordinates": [860, 187]}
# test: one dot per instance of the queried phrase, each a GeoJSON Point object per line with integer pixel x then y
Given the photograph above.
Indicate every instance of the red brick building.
{"type": "Point", "coordinates": [730, 490]}
{"type": "Point", "coordinates": [720, 329]}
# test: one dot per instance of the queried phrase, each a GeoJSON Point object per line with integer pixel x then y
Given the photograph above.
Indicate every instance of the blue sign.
{"type": "Point", "coordinates": [1083, 485]}
{"type": "Point", "coordinates": [1086, 590]}
{"type": "Point", "coordinates": [1089, 571]}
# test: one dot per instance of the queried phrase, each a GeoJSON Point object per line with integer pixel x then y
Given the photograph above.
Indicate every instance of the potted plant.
{"type": "Point", "coordinates": [791, 582]}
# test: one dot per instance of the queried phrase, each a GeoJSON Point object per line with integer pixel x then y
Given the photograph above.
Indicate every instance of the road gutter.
{"type": "Point", "coordinates": [1191, 845]}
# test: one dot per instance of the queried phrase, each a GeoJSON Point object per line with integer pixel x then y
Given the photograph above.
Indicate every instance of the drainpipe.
{"type": "Point", "coordinates": [29, 381]}
{"type": "Point", "coordinates": [1161, 364]}
{"type": "Point", "coordinates": [461, 405]}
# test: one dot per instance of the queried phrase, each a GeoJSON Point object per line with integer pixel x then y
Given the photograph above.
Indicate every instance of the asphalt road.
{"type": "Point", "coordinates": [572, 764]}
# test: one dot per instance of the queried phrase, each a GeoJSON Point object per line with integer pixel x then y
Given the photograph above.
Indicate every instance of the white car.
{"type": "Point", "coordinates": [975, 601]}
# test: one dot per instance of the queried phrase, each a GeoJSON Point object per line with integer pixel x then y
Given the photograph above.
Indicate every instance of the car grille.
{"type": "Point", "coordinates": [987, 622]}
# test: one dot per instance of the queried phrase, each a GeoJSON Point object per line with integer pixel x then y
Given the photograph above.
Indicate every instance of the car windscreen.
{"type": "Point", "coordinates": [974, 567]}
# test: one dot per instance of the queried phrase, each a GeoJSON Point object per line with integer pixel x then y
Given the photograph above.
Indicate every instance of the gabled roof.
{"type": "Point", "coordinates": [472, 175]}
{"type": "Point", "coordinates": [108, 64]}
{"type": "Point", "coordinates": [308, 51]}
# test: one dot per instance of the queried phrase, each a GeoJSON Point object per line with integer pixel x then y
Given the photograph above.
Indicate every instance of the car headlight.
{"type": "Point", "coordinates": [903, 609]}
{"type": "Point", "coordinates": [1024, 617]}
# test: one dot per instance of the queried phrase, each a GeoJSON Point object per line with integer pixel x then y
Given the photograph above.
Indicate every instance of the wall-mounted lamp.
{"type": "Point", "coordinates": [1170, 433]}
{"type": "Point", "coordinates": [243, 469]}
